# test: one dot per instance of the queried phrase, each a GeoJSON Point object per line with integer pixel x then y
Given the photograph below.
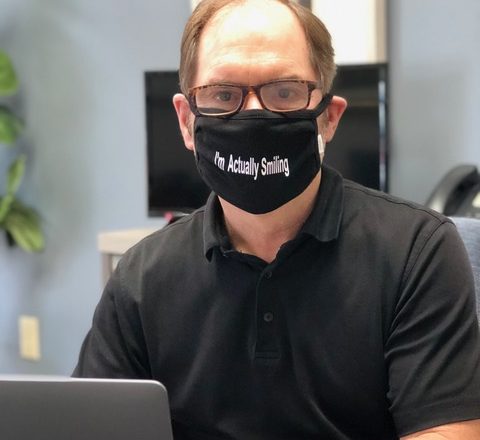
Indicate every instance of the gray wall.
{"type": "Point", "coordinates": [435, 91]}
{"type": "Point", "coordinates": [81, 65]}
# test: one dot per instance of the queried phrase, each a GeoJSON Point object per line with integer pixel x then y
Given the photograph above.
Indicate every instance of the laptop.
{"type": "Point", "coordinates": [59, 408]}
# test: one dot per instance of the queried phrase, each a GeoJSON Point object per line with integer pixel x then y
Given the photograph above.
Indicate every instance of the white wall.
{"type": "Point", "coordinates": [434, 91]}
{"type": "Point", "coordinates": [81, 65]}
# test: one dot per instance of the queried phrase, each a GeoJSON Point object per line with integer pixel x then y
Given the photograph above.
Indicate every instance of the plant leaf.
{"type": "Point", "coordinates": [15, 174]}
{"type": "Point", "coordinates": [8, 77]}
{"type": "Point", "coordinates": [23, 224]}
{"type": "Point", "coordinates": [5, 204]}
{"type": "Point", "coordinates": [14, 179]}
{"type": "Point", "coordinates": [10, 126]}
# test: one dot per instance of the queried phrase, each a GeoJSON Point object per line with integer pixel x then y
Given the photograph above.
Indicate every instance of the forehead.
{"type": "Point", "coordinates": [253, 42]}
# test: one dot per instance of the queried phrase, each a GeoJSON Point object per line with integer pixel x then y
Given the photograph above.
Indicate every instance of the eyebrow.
{"type": "Point", "coordinates": [221, 81]}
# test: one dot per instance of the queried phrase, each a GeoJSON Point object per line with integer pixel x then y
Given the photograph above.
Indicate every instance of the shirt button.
{"type": "Point", "coordinates": [268, 317]}
{"type": "Point", "coordinates": [268, 274]}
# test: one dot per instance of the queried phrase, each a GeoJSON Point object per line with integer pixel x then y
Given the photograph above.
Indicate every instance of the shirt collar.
{"type": "Point", "coordinates": [214, 232]}
{"type": "Point", "coordinates": [322, 224]}
{"type": "Point", "coordinates": [326, 216]}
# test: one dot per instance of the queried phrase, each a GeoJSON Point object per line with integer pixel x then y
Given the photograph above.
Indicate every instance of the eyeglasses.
{"type": "Point", "coordinates": [224, 100]}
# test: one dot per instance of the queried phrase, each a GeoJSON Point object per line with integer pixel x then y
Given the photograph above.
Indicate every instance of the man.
{"type": "Point", "coordinates": [295, 304]}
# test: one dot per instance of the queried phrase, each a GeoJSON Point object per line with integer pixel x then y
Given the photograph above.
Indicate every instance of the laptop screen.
{"type": "Point", "coordinates": [50, 408]}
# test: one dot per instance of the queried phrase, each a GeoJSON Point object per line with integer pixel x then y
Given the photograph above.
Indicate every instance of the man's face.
{"type": "Point", "coordinates": [253, 43]}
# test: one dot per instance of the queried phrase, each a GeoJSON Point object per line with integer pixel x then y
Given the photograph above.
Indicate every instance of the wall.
{"type": "Point", "coordinates": [434, 91]}
{"type": "Point", "coordinates": [81, 65]}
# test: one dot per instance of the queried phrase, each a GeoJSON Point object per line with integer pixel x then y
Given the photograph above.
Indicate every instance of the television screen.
{"type": "Point", "coordinates": [173, 181]}
{"type": "Point", "coordinates": [358, 149]}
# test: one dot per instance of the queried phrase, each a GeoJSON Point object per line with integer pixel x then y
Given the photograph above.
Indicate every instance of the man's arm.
{"type": "Point", "coordinates": [114, 346]}
{"type": "Point", "coordinates": [432, 350]}
{"type": "Point", "coordinates": [469, 430]}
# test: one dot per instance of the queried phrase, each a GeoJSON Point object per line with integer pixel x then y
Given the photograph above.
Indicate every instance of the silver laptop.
{"type": "Point", "coordinates": [51, 408]}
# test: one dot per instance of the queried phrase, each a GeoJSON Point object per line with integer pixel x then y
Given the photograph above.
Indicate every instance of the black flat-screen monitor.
{"type": "Point", "coordinates": [358, 150]}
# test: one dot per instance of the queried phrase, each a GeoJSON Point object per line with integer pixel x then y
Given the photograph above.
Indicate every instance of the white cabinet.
{"type": "Point", "coordinates": [358, 29]}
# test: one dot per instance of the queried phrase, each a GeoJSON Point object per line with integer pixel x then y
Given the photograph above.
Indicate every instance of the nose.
{"type": "Point", "coordinates": [251, 101]}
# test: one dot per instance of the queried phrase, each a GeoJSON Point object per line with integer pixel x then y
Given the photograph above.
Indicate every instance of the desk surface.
{"type": "Point", "coordinates": [118, 242]}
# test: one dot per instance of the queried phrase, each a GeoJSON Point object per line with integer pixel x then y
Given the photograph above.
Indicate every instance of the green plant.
{"type": "Point", "coordinates": [20, 222]}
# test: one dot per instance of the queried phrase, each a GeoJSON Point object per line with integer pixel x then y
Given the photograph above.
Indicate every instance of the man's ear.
{"type": "Point", "coordinates": [185, 119]}
{"type": "Point", "coordinates": [333, 113]}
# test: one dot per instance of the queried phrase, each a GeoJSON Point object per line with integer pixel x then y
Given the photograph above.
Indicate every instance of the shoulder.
{"type": "Point", "coordinates": [396, 233]}
{"type": "Point", "coordinates": [179, 244]}
{"type": "Point", "coordinates": [362, 197]}
{"type": "Point", "coordinates": [177, 235]}
{"type": "Point", "coordinates": [389, 216]}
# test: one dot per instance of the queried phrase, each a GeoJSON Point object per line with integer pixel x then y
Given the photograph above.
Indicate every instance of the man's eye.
{"type": "Point", "coordinates": [284, 93]}
{"type": "Point", "coordinates": [224, 96]}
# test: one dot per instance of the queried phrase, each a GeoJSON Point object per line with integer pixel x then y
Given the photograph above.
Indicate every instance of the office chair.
{"type": "Point", "coordinates": [469, 230]}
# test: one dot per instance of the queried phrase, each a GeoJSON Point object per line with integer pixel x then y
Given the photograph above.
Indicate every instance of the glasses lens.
{"type": "Point", "coordinates": [285, 96]}
{"type": "Point", "coordinates": [218, 100]}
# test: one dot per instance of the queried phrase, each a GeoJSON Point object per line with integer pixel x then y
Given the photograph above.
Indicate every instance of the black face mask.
{"type": "Point", "coordinates": [259, 160]}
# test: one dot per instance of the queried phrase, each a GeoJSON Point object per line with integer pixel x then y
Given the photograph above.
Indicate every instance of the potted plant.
{"type": "Point", "coordinates": [20, 222]}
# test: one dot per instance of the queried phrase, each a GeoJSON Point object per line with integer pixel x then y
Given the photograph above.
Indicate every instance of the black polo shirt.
{"type": "Point", "coordinates": [363, 327]}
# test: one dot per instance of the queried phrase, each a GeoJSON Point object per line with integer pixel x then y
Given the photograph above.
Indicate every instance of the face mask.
{"type": "Point", "coordinates": [259, 160]}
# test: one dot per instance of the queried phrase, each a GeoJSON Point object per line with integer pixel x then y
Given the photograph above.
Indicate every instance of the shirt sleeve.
{"type": "Point", "coordinates": [114, 347]}
{"type": "Point", "coordinates": [433, 349]}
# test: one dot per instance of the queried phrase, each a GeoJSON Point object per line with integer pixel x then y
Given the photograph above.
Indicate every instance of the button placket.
{"type": "Point", "coordinates": [267, 340]}
{"type": "Point", "coordinates": [268, 316]}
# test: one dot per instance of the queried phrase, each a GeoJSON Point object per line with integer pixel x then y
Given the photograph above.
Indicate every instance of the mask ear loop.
{"type": "Point", "coordinates": [323, 104]}
{"type": "Point", "coordinates": [321, 147]}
